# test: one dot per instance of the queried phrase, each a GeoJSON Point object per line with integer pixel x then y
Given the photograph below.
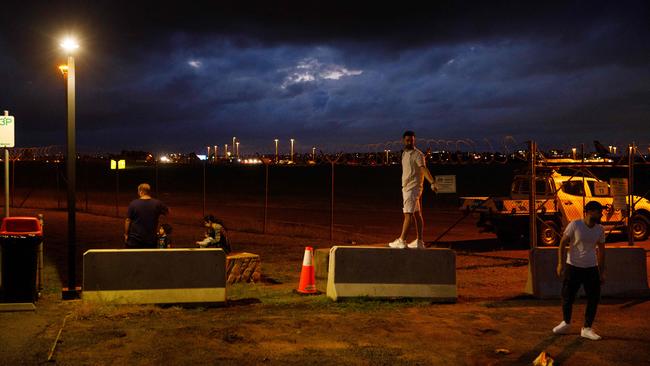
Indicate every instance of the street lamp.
{"type": "Point", "coordinates": [292, 150]}
{"type": "Point", "coordinates": [69, 45]}
{"type": "Point", "coordinates": [237, 144]}
{"type": "Point", "coordinates": [313, 153]}
{"type": "Point", "coordinates": [216, 153]}
{"type": "Point", "coordinates": [276, 150]}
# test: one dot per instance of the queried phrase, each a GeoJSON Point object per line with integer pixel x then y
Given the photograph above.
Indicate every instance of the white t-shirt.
{"type": "Point", "coordinates": [412, 176]}
{"type": "Point", "coordinates": [583, 243]}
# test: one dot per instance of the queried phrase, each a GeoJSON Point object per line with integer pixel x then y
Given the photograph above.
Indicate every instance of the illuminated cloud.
{"type": "Point", "coordinates": [194, 63]}
{"type": "Point", "coordinates": [312, 70]}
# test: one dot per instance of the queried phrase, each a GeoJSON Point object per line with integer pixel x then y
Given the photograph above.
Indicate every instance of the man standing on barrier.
{"type": "Point", "coordinates": [141, 224]}
{"type": "Point", "coordinates": [584, 266]}
{"type": "Point", "coordinates": [414, 171]}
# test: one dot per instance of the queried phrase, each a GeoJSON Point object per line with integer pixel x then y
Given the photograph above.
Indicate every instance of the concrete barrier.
{"type": "Point", "coordinates": [626, 273]}
{"type": "Point", "coordinates": [154, 276]}
{"type": "Point", "coordinates": [388, 273]}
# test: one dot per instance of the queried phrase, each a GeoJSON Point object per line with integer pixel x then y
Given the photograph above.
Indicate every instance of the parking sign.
{"type": "Point", "coordinates": [7, 127]}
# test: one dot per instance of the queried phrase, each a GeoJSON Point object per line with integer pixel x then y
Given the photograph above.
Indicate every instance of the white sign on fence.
{"type": "Point", "coordinates": [619, 186]}
{"type": "Point", "coordinates": [619, 191]}
{"type": "Point", "coordinates": [7, 127]}
{"type": "Point", "coordinates": [446, 183]}
{"type": "Point", "coordinates": [601, 188]}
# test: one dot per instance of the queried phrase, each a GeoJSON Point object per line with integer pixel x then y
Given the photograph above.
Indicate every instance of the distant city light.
{"type": "Point", "coordinates": [164, 159]}
{"type": "Point", "coordinates": [202, 157]}
{"type": "Point", "coordinates": [251, 161]}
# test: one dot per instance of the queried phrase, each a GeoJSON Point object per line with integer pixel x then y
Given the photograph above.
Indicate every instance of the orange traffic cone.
{"type": "Point", "coordinates": [307, 276]}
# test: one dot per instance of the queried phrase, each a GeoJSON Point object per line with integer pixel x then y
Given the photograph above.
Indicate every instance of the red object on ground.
{"type": "Point", "coordinates": [307, 283]}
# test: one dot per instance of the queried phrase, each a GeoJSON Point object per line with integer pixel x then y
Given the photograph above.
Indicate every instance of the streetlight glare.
{"type": "Point", "coordinates": [69, 44]}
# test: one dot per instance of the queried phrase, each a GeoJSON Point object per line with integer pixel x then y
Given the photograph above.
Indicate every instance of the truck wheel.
{"type": "Point", "coordinates": [639, 227]}
{"type": "Point", "coordinates": [548, 234]}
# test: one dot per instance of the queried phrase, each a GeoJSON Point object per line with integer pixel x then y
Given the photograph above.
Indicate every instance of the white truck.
{"type": "Point", "coordinates": [559, 199]}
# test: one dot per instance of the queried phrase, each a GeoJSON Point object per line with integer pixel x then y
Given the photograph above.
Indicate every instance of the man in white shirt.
{"type": "Point", "coordinates": [414, 171]}
{"type": "Point", "coordinates": [583, 266]}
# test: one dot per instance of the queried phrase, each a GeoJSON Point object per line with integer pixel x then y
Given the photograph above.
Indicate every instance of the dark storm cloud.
{"type": "Point", "coordinates": [333, 76]}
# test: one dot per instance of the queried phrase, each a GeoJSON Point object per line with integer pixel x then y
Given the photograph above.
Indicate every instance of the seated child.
{"type": "Point", "coordinates": [164, 239]}
{"type": "Point", "coordinates": [215, 235]}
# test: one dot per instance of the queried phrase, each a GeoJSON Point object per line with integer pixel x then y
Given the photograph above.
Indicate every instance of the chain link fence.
{"type": "Point", "coordinates": [344, 197]}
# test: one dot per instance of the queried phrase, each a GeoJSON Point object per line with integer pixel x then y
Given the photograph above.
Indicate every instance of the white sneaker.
{"type": "Point", "coordinates": [397, 243]}
{"type": "Point", "coordinates": [562, 328]}
{"type": "Point", "coordinates": [589, 334]}
{"type": "Point", "coordinates": [416, 244]}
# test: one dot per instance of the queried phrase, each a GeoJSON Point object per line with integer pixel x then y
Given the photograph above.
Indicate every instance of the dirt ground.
{"type": "Point", "coordinates": [267, 324]}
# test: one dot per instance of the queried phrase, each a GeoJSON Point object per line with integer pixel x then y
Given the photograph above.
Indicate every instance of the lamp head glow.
{"type": "Point", "coordinates": [69, 44]}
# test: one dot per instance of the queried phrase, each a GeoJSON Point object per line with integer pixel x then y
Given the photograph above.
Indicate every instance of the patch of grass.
{"type": "Point", "coordinates": [285, 297]}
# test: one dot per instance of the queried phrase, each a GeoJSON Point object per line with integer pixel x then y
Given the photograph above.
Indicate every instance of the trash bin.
{"type": "Point", "coordinates": [19, 241]}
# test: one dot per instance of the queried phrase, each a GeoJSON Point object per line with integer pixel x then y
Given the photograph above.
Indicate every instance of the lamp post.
{"type": "Point", "coordinates": [216, 153]}
{"type": "Point", "coordinates": [237, 144]}
{"type": "Point", "coordinates": [69, 45]}
{"type": "Point", "coordinates": [292, 150]}
{"type": "Point", "coordinates": [276, 150]}
{"type": "Point", "coordinates": [234, 139]}
{"type": "Point", "coordinates": [313, 153]}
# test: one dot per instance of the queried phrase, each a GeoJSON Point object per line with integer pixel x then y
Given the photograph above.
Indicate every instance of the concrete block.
{"type": "Point", "coordinates": [155, 276]}
{"type": "Point", "coordinates": [626, 273]}
{"type": "Point", "coordinates": [389, 273]}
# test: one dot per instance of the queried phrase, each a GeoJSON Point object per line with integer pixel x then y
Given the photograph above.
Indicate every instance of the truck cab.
{"type": "Point", "coordinates": [559, 200]}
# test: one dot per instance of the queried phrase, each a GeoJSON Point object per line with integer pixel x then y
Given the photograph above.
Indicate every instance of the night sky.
{"type": "Point", "coordinates": [329, 74]}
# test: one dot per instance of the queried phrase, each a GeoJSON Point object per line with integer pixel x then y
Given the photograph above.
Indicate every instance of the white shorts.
{"type": "Point", "coordinates": [411, 200]}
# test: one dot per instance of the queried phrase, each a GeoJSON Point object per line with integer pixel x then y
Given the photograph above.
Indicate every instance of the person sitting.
{"type": "Point", "coordinates": [215, 234]}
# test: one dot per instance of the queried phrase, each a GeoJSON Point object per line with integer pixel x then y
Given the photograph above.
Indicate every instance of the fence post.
{"type": "Point", "coordinates": [204, 165]}
{"type": "Point", "coordinates": [13, 182]}
{"type": "Point", "coordinates": [7, 209]}
{"type": "Point", "coordinates": [266, 162]}
{"type": "Point", "coordinates": [532, 204]}
{"type": "Point", "coordinates": [155, 167]}
{"type": "Point", "coordinates": [332, 163]}
{"type": "Point", "coordinates": [630, 197]}
{"type": "Point", "coordinates": [58, 193]}
{"type": "Point", "coordinates": [332, 207]}
{"type": "Point", "coordinates": [86, 184]}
